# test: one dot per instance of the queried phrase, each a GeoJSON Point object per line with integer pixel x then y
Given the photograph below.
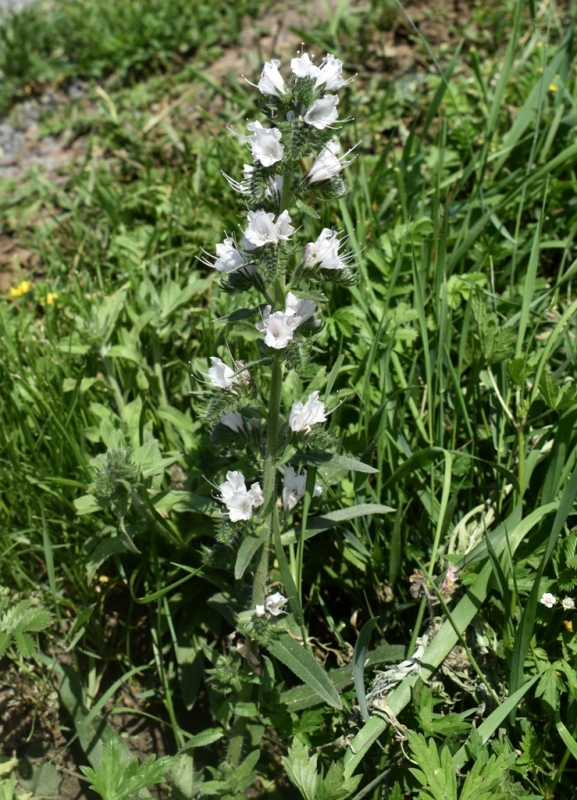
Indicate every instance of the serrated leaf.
{"type": "Point", "coordinates": [24, 644]}
{"type": "Point", "coordinates": [557, 398]}
{"type": "Point", "coordinates": [306, 667]}
{"type": "Point", "coordinates": [302, 769]}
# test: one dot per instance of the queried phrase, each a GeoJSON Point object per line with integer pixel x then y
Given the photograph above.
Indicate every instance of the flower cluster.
{"type": "Point", "coordinates": [296, 159]}
{"type": "Point", "coordinates": [238, 500]}
{"type": "Point", "coordinates": [549, 600]}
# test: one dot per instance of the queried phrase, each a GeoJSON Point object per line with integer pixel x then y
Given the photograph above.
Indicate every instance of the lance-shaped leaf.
{"type": "Point", "coordinates": [306, 667]}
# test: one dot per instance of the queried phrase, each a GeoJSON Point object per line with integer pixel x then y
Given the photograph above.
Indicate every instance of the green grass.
{"type": "Point", "coordinates": [457, 384]}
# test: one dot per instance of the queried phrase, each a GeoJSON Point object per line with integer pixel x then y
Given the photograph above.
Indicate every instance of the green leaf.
{"type": "Point", "coordinates": [305, 209]}
{"type": "Point", "coordinates": [117, 779]}
{"type": "Point", "coordinates": [306, 667]}
{"type": "Point", "coordinates": [87, 504]}
{"type": "Point", "coordinates": [246, 552]}
{"type": "Point", "coordinates": [300, 697]}
{"type": "Point", "coordinates": [335, 462]}
{"type": "Point", "coordinates": [557, 398]}
{"type": "Point", "coordinates": [332, 518]}
{"type": "Point", "coordinates": [359, 657]}
{"type": "Point", "coordinates": [302, 769]}
{"type": "Point", "coordinates": [202, 739]}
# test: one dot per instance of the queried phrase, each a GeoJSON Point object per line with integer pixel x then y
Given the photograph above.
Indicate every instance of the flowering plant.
{"type": "Point", "coordinates": [296, 160]}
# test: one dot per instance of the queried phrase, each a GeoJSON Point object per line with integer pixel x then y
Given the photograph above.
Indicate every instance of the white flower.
{"type": "Point", "coordinates": [303, 417]}
{"type": "Point", "coordinates": [259, 611]}
{"type": "Point", "coordinates": [303, 67]}
{"type": "Point", "coordinates": [256, 495]}
{"type": "Point", "coordinates": [221, 375]}
{"type": "Point", "coordinates": [262, 229]}
{"type": "Point", "coordinates": [297, 307]}
{"type": "Point", "coordinates": [271, 82]}
{"type": "Point", "coordinates": [228, 257]}
{"type": "Point", "coordinates": [330, 73]}
{"type": "Point", "coordinates": [323, 112]}
{"type": "Point", "coordinates": [294, 484]}
{"type": "Point", "coordinates": [244, 186]}
{"type": "Point", "coordinates": [548, 600]}
{"type": "Point", "coordinates": [328, 164]}
{"type": "Point", "coordinates": [279, 327]}
{"type": "Point", "coordinates": [239, 501]}
{"type": "Point", "coordinates": [568, 603]}
{"type": "Point", "coordinates": [325, 252]}
{"type": "Point", "coordinates": [274, 603]}
{"type": "Point", "coordinates": [265, 144]}
{"type": "Point", "coordinates": [234, 421]}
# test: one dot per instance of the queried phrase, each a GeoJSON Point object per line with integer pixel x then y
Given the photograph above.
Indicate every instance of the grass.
{"type": "Point", "coordinates": [457, 383]}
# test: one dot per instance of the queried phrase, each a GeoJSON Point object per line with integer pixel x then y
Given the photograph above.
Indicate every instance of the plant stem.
{"type": "Point", "coordinates": [238, 729]}
{"type": "Point", "coordinates": [269, 481]}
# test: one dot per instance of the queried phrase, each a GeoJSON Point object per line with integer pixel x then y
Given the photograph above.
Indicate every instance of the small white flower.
{"type": "Point", "coordinates": [221, 375]}
{"type": "Point", "coordinates": [294, 485]}
{"type": "Point", "coordinates": [303, 67]}
{"type": "Point", "coordinates": [256, 495]}
{"type": "Point", "coordinates": [568, 603]}
{"type": "Point", "coordinates": [323, 112]}
{"type": "Point", "coordinates": [328, 163]}
{"type": "Point", "coordinates": [234, 421]}
{"type": "Point", "coordinates": [303, 416]}
{"type": "Point", "coordinates": [548, 600]}
{"type": "Point", "coordinates": [271, 82]}
{"type": "Point", "coordinates": [330, 74]}
{"type": "Point", "coordinates": [239, 501]}
{"type": "Point", "coordinates": [265, 144]}
{"type": "Point", "coordinates": [228, 257]}
{"type": "Point", "coordinates": [279, 327]}
{"type": "Point", "coordinates": [262, 229]}
{"type": "Point", "coordinates": [259, 611]}
{"type": "Point", "coordinates": [274, 603]}
{"type": "Point", "coordinates": [297, 307]}
{"type": "Point", "coordinates": [325, 252]}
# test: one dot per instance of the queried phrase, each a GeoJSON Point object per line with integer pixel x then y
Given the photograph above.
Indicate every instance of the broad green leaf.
{"type": "Point", "coordinates": [306, 667]}
{"type": "Point", "coordinates": [246, 552]}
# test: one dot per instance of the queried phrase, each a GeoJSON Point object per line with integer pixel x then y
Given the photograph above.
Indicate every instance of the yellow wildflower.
{"type": "Point", "coordinates": [51, 298]}
{"type": "Point", "coordinates": [22, 288]}
{"type": "Point", "coordinates": [553, 88]}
